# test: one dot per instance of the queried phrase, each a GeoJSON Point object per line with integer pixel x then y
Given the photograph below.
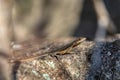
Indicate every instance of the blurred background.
{"type": "Point", "coordinates": [55, 18]}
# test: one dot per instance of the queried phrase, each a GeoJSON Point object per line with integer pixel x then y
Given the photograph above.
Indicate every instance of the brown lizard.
{"type": "Point", "coordinates": [60, 51]}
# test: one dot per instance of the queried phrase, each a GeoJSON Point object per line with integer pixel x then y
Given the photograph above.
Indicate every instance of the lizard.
{"type": "Point", "coordinates": [60, 51]}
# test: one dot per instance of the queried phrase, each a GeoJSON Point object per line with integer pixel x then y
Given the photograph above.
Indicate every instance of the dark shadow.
{"type": "Point", "coordinates": [113, 7]}
{"type": "Point", "coordinates": [88, 21]}
{"type": "Point", "coordinates": [15, 69]}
